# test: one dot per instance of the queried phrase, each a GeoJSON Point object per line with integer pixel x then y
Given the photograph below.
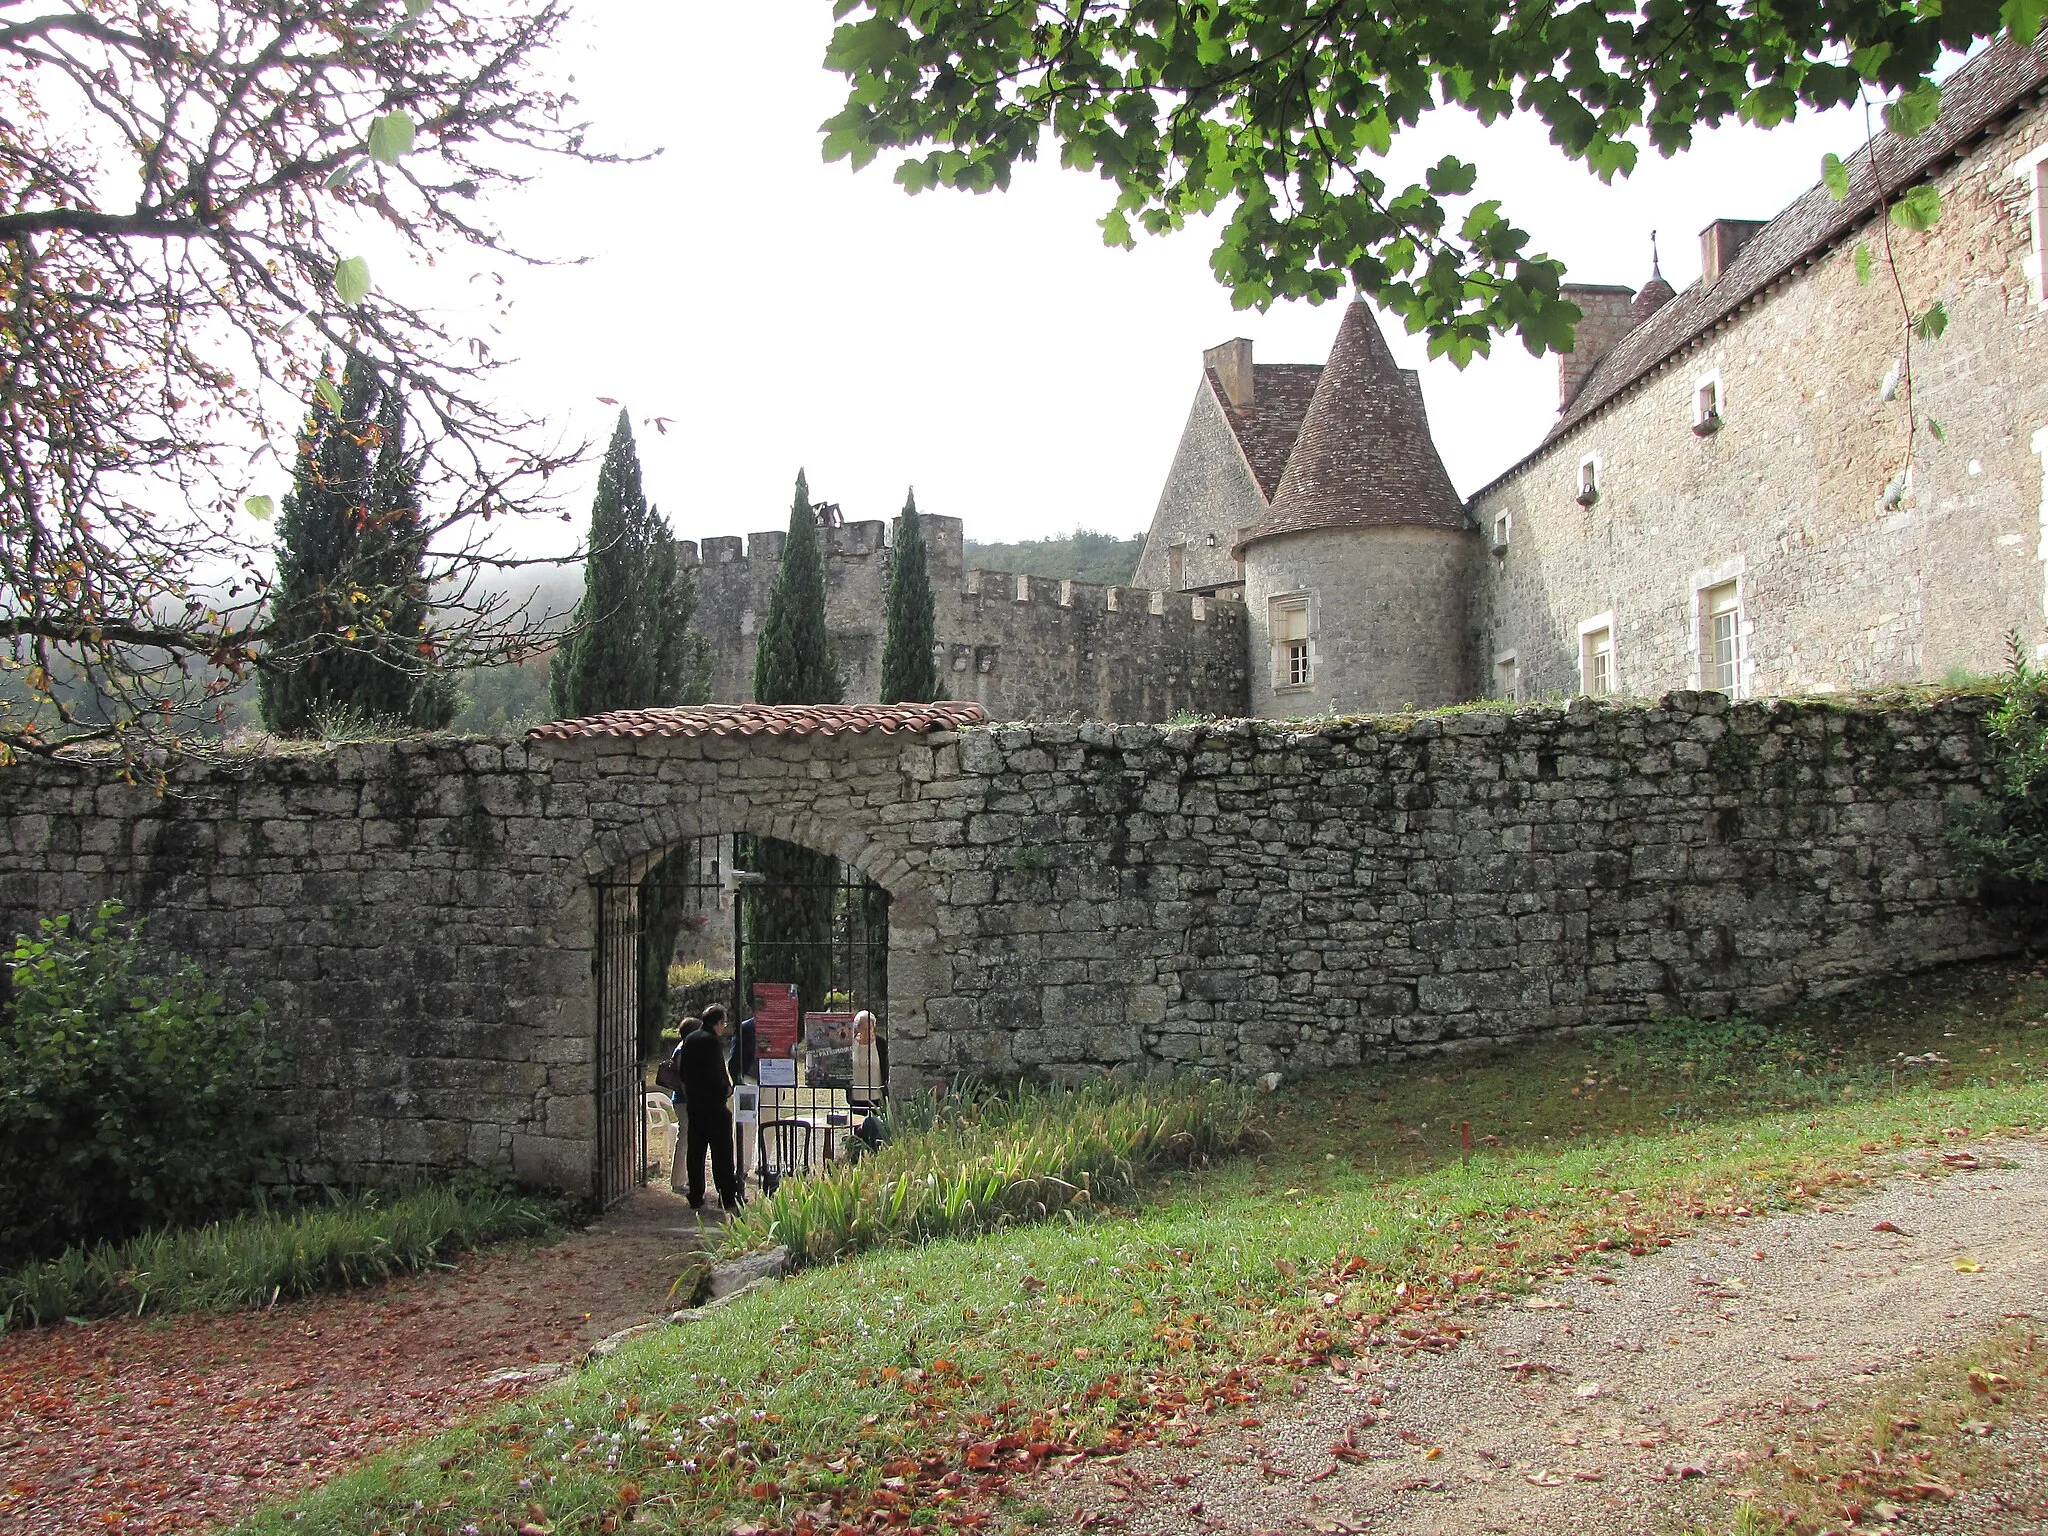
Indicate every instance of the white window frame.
{"type": "Point", "coordinates": [1730, 572]}
{"type": "Point", "coordinates": [1503, 530]}
{"type": "Point", "coordinates": [1513, 662]}
{"type": "Point", "coordinates": [2031, 171]}
{"type": "Point", "coordinates": [1707, 382]}
{"type": "Point", "coordinates": [1284, 656]}
{"type": "Point", "coordinates": [1592, 477]}
{"type": "Point", "coordinates": [1587, 630]}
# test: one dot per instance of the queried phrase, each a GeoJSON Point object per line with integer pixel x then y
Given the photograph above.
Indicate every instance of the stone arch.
{"type": "Point", "coordinates": [897, 869]}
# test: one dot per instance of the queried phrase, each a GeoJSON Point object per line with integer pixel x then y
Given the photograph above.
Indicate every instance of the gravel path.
{"type": "Point", "coordinates": [1606, 1408]}
{"type": "Point", "coordinates": [184, 1423]}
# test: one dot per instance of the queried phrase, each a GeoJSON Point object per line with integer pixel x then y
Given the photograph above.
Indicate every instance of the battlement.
{"type": "Point", "coordinates": [1000, 586]}
{"type": "Point", "coordinates": [1020, 645]}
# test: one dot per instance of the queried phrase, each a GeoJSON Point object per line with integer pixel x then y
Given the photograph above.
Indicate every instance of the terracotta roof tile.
{"type": "Point", "coordinates": [1364, 458]}
{"type": "Point", "coordinates": [1973, 101]}
{"type": "Point", "coordinates": [765, 720]}
{"type": "Point", "coordinates": [1266, 429]}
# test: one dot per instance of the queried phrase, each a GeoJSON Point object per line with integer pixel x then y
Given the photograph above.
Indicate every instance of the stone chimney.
{"type": "Point", "coordinates": [1608, 319]}
{"type": "Point", "coordinates": [1720, 243]}
{"type": "Point", "coordinates": [1232, 364]}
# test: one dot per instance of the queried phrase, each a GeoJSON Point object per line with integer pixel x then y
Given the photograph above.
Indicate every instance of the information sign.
{"type": "Point", "coordinates": [775, 1021]}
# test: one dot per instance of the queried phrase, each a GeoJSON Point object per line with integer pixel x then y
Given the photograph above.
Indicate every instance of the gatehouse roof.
{"type": "Point", "coordinates": [766, 720]}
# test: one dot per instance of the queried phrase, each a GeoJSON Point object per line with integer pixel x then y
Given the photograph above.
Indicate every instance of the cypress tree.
{"type": "Point", "coordinates": [909, 675]}
{"type": "Point", "coordinates": [793, 662]}
{"type": "Point", "coordinates": [348, 618]}
{"type": "Point", "coordinates": [631, 646]}
{"type": "Point", "coordinates": [788, 920]}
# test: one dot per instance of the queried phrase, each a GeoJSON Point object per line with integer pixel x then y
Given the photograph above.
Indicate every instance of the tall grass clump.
{"type": "Point", "coordinates": [974, 1162]}
{"type": "Point", "coordinates": [354, 1239]}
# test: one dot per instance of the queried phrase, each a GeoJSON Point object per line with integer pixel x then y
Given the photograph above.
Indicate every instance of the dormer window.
{"type": "Point", "coordinates": [1589, 479]}
{"type": "Point", "coordinates": [1706, 405]}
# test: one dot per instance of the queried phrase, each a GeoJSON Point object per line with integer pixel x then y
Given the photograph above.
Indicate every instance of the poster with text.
{"type": "Point", "coordinates": [776, 1017]}
{"type": "Point", "coordinates": [828, 1049]}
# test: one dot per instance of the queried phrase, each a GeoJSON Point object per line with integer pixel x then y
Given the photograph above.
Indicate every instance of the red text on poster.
{"type": "Point", "coordinates": [776, 1017]}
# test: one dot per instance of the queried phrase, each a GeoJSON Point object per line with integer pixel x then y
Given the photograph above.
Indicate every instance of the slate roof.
{"type": "Point", "coordinates": [1266, 429]}
{"type": "Point", "coordinates": [765, 720]}
{"type": "Point", "coordinates": [1364, 457]}
{"type": "Point", "coordinates": [1974, 101]}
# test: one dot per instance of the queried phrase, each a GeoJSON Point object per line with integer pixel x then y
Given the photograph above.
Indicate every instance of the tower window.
{"type": "Point", "coordinates": [1176, 567]}
{"type": "Point", "coordinates": [1293, 658]}
{"type": "Point", "coordinates": [1503, 530]}
{"type": "Point", "coordinates": [1507, 677]}
{"type": "Point", "coordinates": [1589, 480]}
{"type": "Point", "coordinates": [1596, 656]}
{"type": "Point", "coordinates": [1720, 627]}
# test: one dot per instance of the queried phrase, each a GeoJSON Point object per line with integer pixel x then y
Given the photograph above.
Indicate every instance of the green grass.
{"type": "Point", "coordinates": [253, 1261]}
{"type": "Point", "coordinates": [981, 1162]}
{"type": "Point", "coordinates": [917, 1382]}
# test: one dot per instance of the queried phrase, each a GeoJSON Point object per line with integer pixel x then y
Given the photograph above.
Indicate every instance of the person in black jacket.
{"type": "Point", "coordinates": [700, 1060]}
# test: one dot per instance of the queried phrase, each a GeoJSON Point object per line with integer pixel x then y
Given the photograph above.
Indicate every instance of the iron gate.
{"type": "Point", "coordinates": [791, 916]}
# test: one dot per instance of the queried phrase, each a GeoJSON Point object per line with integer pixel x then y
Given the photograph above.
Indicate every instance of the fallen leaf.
{"type": "Point", "coordinates": [1586, 1389]}
{"type": "Point", "coordinates": [1891, 1226]}
{"type": "Point", "coordinates": [1967, 1266]}
{"type": "Point", "coordinates": [1590, 1475]}
{"type": "Point", "coordinates": [1543, 1303]}
{"type": "Point", "coordinates": [1543, 1479]}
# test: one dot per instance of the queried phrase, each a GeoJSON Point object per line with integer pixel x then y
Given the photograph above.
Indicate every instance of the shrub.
{"type": "Point", "coordinates": [126, 1097]}
{"type": "Point", "coordinates": [253, 1261]}
{"type": "Point", "coordinates": [969, 1164]}
{"type": "Point", "coordinates": [2003, 839]}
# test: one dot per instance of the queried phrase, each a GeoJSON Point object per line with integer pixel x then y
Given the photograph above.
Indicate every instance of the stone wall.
{"type": "Point", "coordinates": [418, 915]}
{"type": "Point", "coordinates": [1022, 647]}
{"type": "Point", "coordinates": [1837, 590]}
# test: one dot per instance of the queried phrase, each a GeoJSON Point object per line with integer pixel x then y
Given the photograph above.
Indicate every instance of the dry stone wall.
{"type": "Point", "coordinates": [1240, 897]}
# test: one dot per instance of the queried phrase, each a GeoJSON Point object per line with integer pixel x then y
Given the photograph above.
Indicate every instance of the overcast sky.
{"type": "Point", "coordinates": [989, 350]}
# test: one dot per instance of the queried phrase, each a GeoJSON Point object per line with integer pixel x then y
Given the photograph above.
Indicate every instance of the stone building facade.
{"type": "Point", "coordinates": [1751, 487]}
{"type": "Point", "coordinates": [1728, 501]}
{"type": "Point", "coordinates": [420, 916]}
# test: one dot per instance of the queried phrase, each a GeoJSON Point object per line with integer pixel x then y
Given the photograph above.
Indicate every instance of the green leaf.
{"type": "Point", "coordinates": [390, 137]}
{"type": "Point", "coordinates": [262, 508]}
{"type": "Point", "coordinates": [414, 9]}
{"type": "Point", "coordinates": [1863, 263]}
{"type": "Point", "coordinates": [1914, 112]}
{"type": "Point", "coordinates": [1930, 325]}
{"type": "Point", "coordinates": [2023, 18]}
{"type": "Point", "coordinates": [1918, 208]}
{"type": "Point", "coordinates": [329, 396]}
{"type": "Point", "coordinates": [342, 174]}
{"type": "Point", "coordinates": [1935, 427]}
{"type": "Point", "coordinates": [351, 280]}
{"type": "Point", "coordinates": [1835, 175]}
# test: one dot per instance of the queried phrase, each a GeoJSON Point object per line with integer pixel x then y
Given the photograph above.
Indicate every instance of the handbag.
{"type": "Point", "coordinates": [668, 1075]}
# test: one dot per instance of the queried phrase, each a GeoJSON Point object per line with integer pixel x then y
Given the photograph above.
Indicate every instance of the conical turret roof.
{"type": "Point", "coordinates": [1364, 458]}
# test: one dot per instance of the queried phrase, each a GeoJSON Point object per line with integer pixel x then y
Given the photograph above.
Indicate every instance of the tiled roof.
{"type": "Point", "coordinates": [765, 720]}
{"type": "Point", "coordinates": [1973, 101]}
{"type": "Point", "coordinates": [1266, 429]}
{"type": "Point", "coordinates": [1364, 458]}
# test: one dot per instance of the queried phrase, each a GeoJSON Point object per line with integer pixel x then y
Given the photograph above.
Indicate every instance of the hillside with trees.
{"type": "Point", "coordinates": [1077, 556]}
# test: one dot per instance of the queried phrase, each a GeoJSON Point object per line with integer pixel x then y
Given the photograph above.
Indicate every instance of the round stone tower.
{"type": "Point", "coordinates": [1358, 580]}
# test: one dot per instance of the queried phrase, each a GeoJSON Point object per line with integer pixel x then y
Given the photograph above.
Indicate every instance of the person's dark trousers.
{"type": "Point", "coordinates": [711, 1131]}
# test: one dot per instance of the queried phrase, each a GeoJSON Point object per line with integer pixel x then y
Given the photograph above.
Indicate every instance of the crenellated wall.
{"type": "Point", "coordinates": [1022, 647]}
{"type": "Point", "coordinates": [1066, 898]}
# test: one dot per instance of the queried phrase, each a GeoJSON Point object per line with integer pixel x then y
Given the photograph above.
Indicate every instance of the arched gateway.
{"type": "Point", "coordinates": [420, 917]}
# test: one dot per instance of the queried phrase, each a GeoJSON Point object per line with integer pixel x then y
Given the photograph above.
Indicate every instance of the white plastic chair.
{"type": "Point", "coordinates": [662, 1128]}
